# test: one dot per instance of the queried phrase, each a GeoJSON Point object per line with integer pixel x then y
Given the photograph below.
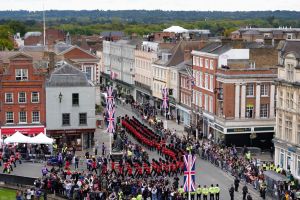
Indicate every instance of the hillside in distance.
{"type": "Point", "coordinates": [145, 16]}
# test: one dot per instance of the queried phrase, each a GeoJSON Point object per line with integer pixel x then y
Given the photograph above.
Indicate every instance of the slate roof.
{"type": "Point", "coordinates": [61, 46]}
{"type": "Point", "coordinates": [33, 48]}
{"type": "Point", "coordinates": [67, 76]}
{"type": "Point", "coordinates": [291, 46]}
{"type": "Point", "coordinates": [216, 48]}
{"type": "Point", "coordinates": [112, 34]}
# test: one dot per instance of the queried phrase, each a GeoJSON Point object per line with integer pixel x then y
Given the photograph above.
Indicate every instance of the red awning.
{"type": "Point", "coordinates": [27, 130]}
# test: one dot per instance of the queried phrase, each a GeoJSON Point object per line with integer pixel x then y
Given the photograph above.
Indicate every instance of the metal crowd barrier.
{"type": "Point", "coordinates": [16, 180]}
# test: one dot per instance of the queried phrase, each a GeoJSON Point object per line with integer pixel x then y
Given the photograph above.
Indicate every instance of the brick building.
{"type": "Point", "coordinates": [235, 103]}
{"type": "Point", "coordinates": [53, 36]}
{"type": "Point", "coordinates": [22, 95]}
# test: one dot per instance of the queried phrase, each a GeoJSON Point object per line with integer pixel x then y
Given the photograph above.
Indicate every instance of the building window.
{"type": "Point", "coordinates": [206, 63]}
{"type": "Point", "coordinates": [9, 98]}
{"type": "Point", "coordinates": [201, 62]}
{"type": "Point", "coordinates": [288, 128]}
{"type": "Point", "coordinates": [264, 90]}
{"type": "Point", "coordinates": [66, 119]}
{"type": "Point", "coordinates": [9, 117]}
{"type": "Point", "coordinates": [22, 97]}
{"type": "Point", "coordinates": [201, 80]}
{"type": "Point", "coordinates": [35, 117]}
{"type": "Point", "coordinates": [88, 72]}
{"type": "Point", "coordinates": [200, 99]}
{"type": "Point", "coordinates": [211, 64]}
{"type": "Point", "coordinates": [35, 97]}
{"type": "Point", "coordinates": [21, 74]}
{"type": "Point", "coordinates": [210, 104]}
{"type": "Point", "coordinates": [288, 161]}
{"type": "Point", "coordinates": [75, 99]}
{"type": "Point", "coordinates": [194, 61]}
{"type": "Point", "coordinates": [22, 117]}
{"type": "Point", "coordinates": [250, 90]}
{"type": "Point", "coordinates": [82, 119]}
{"type": "Point", "coordinates": [279, 131]}
{"type": "Point", "coordinates": [280, 102]}
{"type": "Point", "coordinates": [281, 159]}
{"type": "Point", "coordinates": [206, 81]}
{"type": "Point", "coordinates": [298, 132]}
{"type": "Point", "coordinates": [298, 165]}
{"type": "Point", "coordinates": [264, 110]}
{"type": "Point", "coordinates": [290, 72]}
{"type": "Point", "coordinates": [205, 102]}
{"type": "Point", "coordinates": [289, 100]}
{"type": "Point", "coordinates": [249, 111]}
{"type": "Point", "coordinates": [211, 82]}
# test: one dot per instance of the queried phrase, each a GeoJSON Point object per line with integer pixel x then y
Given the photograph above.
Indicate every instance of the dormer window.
{"type": "Point", "coordinates": [21, 74]}
{"type": "Point", "coordinates": [290, 72]}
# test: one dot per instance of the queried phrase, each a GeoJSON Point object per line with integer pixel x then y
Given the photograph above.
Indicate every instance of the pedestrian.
{"type": "Point", "coordinates": [245, 191]}
{"type": "Point", "coordinates": [103, 149]}
{"type": "Point", "coordinates": [249, 197]}
{"type": "Point", "coordinates": [76, 162]}
{"type": "Point", "coordinates": [236, 184]}
{"type": "Point", "coordinates": [231, 192]}
{"type": "Point", "coordinates": [178, 119]}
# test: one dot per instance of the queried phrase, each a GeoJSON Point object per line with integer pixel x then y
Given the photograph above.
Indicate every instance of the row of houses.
{"type": "Point", "coordinates": [51, 92]}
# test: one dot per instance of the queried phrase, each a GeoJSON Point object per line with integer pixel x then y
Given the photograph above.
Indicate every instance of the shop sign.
{"type": "Point", "coordinates": [233, 130]}
{"type": "Point", "coordinates": [23, 130]}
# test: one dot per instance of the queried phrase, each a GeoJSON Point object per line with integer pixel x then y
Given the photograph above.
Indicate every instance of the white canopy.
{"type": "Point", "coordinates": [175, 29]}
{"type": "Point", "coordinates": [17, 137]}
{"type": "Point", "coordinates": [41, 139]}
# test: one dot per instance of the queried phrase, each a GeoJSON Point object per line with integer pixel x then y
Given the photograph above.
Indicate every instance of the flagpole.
{"type": "Point", "coordinates": [189, 192]}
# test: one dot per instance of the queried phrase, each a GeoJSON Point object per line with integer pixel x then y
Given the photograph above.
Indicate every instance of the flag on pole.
{"type": "Point", "coordinates": [165, 98]}
{"type": "Point", "coordinates": [111, 120]}
{"type": "Point", "coordinates": [189, 173]}
{"type": "Point", "coordinates": [110, 97]}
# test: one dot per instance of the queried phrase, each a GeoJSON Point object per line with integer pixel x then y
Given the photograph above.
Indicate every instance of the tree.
{"type": "Point", "coordinates": [17, 27]}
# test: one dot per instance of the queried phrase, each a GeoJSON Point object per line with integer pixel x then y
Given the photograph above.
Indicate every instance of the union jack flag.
{"type": "Point", "coordinates": [113, 75]}
{"type": "Point", "coordinates": [111, 120]}
{"type": "Point", "coordinates": [189, 173]}
{"type": "Point", "coordinates": [165, 98]}
{"type": "Point", "coordinates": [110, 97]}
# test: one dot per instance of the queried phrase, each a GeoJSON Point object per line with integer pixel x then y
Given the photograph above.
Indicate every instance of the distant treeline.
{"type": "Point", "coordinates": [145, 16]}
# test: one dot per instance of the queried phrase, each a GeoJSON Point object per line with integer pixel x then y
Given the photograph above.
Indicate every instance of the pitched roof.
{"type": "Point", "coordinates": [5, 55]}
{"type": "Point", "coordinates": [291, 46]}
{"type": "Point", "coordinates": [67, 76]}
{"type": "Point", "coordinates": [178, 51]}
{"type": "Point", "coordinates": [216, 48]}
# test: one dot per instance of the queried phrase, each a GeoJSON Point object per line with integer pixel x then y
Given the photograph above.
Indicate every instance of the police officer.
{"type": "Point", "coordinates": [245, 191]}
{"type": "Point", "coordinates": [193, 195]}
{"type": "Point", "coordinates": [211, 192]}
{"type": "Point", "coordinates": [120, 195]}
{"type": "Point", "coordinates": [181, 190]}
{"type": "Point", "coordinates": [231, 192]}
{"type": "Point", "coordinates": [199, 192]}
{"type": "Point", "coordinates": [139, 196]}
{"type": "Point", "coordinates": [217, 192]}
{"type": "Point", "coordinates": [205, 192]}
{"type": "Point", "coordinates": [236, 184]}
{"type": "Point", "coordinates": [263, 188]}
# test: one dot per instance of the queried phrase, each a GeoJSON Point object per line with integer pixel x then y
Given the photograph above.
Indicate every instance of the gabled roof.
{"type": "Point", "coordinates": [20, 55]}
{"type": "Point", "coordinates": [68, 76]}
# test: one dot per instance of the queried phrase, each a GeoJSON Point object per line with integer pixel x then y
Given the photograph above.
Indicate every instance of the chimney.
{"type": "Point", "coordinates": [187, 55]}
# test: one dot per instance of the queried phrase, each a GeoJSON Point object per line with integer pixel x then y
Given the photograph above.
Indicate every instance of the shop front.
{"type": "Point", "coordinates": [80, 138]}
{"type": "Point", "coordinates": [26, 130]}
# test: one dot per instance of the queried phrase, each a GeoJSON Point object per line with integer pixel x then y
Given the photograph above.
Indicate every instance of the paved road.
{"type": "Point", "coordinates": [206, 173]}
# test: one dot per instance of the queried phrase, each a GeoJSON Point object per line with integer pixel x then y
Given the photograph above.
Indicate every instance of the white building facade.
{"type": "Point", "coordinates": [287, 138]}
{"type": "Point", "coordinates": [70, 107]}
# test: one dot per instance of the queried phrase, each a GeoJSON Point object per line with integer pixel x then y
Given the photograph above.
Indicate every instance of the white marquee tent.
{"type": "Point", "coordinates": [175, 29]}
{"type": "Point", "coordinates": [17, 137]}
{"type": "Point", "coordinates": [41, 139]}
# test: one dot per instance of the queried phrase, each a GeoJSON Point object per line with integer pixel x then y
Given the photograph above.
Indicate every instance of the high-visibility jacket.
{"type": "Point", "coordinates": [211, 190]}
{"type": "Point", "coordinates": [180, 190]}
{"type": "Point", "coordinates": [199, 190]}
{"type": "Point", "coordinates": [205, 191]}
{"type": "Point", "coordinates": [278, 169]}
{"type": "Point", "coordinates": [217, 190]}
{"type": "Point", "coordinates": [139, 197]}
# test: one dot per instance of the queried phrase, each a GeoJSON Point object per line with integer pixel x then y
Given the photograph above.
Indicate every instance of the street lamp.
{"type": "Point", "coordinates": [60, 96]}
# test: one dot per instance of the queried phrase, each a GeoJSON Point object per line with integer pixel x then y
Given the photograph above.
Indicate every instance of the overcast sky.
{"type": "Point", "coordinates": [201, 5]}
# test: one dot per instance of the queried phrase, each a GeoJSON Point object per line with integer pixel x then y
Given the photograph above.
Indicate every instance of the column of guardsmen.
{"type": "Point", "coordinates": [213, 192]}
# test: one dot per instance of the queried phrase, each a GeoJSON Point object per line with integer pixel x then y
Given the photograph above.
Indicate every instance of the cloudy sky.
{"type": "Point", "coordinates": [201, 5]}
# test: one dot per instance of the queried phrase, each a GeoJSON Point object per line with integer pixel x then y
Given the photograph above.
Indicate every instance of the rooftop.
{"type": "Point", "coordinates": [68, 76]}
{"type": "Point", "coordinates": [291, 46]}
